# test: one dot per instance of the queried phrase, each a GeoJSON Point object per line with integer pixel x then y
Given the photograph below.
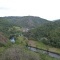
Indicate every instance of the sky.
{"type": "Point", "coordinates": [47, 9]}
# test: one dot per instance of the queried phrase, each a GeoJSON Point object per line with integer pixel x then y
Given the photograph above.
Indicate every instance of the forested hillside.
{"type": "Point", "coordinates": [43, 29]}
{"type": "Point", "coordinates": [47, 33]}
{"type": "Point", "coordinates": [25, 21]}
{"type": "Point", "coordinates": [4, 25]}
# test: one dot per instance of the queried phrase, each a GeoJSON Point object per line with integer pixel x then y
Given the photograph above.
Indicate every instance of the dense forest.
{"type": "Point", "coordinates": [47, 33]}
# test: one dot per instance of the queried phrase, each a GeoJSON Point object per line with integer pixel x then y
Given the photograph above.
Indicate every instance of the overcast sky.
{"type": "Point", "coordinates": [48, 9]}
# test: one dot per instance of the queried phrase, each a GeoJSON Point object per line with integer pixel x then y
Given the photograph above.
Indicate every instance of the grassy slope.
{"type": "Point", "coordinates": [43, 46]}
{"type": "Point", "coordinates": [19, 49]}
{"type": "Point", "coordinates": [38, 44]}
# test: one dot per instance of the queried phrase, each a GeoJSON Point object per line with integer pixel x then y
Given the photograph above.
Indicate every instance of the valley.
{"type": "Point", "coordinates": [29, 38]}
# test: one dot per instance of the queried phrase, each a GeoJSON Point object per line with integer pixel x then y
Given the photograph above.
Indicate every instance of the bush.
{"type": "Point", "coordinates": [2, 45]}
{"type": "Point", "coordinates": [17, 53]}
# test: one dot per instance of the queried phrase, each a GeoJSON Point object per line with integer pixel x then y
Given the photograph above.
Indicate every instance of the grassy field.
{"type": "Point", "coordinates": [43, 46]}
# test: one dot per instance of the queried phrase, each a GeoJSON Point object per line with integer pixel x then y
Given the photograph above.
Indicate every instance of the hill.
{"type": "Point", "coordinates": [47, 33]}
{"type": "Point", "coordinates": [25, 21]}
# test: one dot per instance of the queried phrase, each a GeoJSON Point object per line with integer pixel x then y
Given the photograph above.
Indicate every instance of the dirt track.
{"type": "Point", "coordinates": [32, 43]}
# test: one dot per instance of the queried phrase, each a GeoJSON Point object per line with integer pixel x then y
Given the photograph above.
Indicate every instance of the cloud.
{"type": "Point", "coordinates": [3, 8]}
{"type": "Point", "coordinates": [48, 9]}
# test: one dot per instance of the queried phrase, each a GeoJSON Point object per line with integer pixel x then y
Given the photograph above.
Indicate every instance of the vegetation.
{"type": "Point", "coordinates": [41, 45]}
{"type": "Point", "coordinates": [18, 51]}
{"type": "Point", "coordinates": [48, 33]}
{"type": "Point", "coordinates": [3, 39]}
{"type": "Point", "coordinates": [45, 35]}
{"type": "Point", "coordinates": [26, 21]}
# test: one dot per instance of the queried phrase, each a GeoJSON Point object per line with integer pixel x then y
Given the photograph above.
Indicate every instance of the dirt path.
{"type": "Point", "coordinates": [31, 43]}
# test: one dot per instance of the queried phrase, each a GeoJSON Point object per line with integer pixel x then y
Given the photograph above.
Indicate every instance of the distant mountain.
{"type": "Point", "coordinates": [57, 21]}
{"type": "Point", "coordinates": [25, 21]}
